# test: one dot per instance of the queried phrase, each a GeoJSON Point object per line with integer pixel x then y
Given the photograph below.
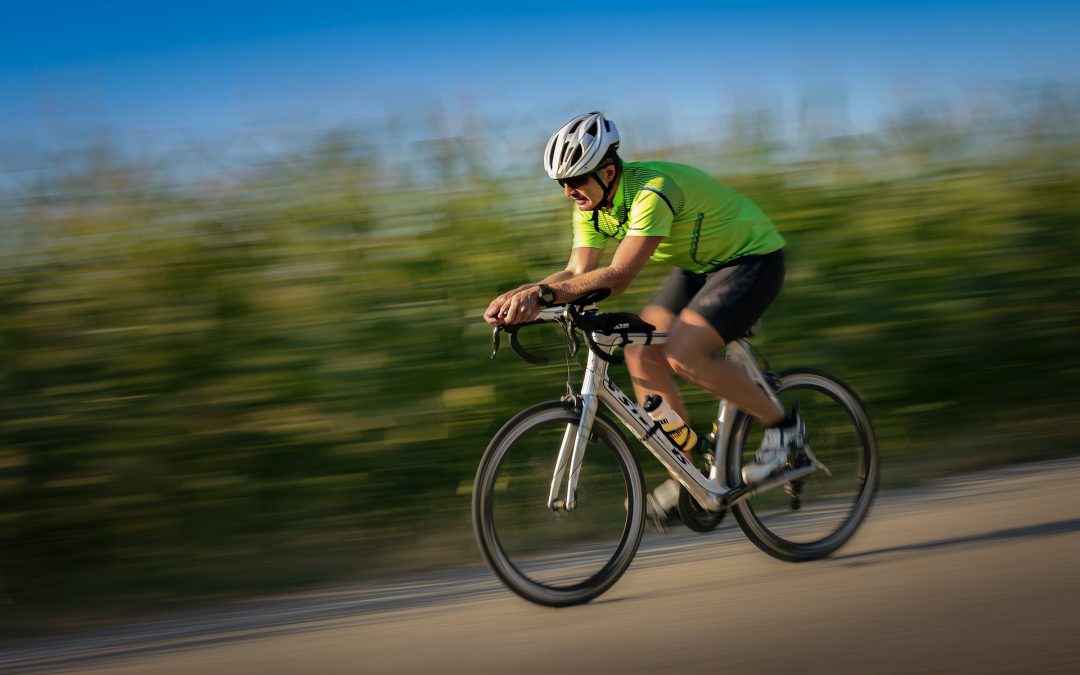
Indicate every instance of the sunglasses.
{"type": "Point", "coordinates": [574, 182]}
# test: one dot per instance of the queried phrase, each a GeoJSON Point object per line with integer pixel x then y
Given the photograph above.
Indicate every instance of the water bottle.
{"type": "Point", "coordinates": [676, 429]}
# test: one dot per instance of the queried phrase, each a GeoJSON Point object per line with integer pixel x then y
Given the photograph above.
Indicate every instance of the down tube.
{"type": "Point", "coordinates": [640, 424]}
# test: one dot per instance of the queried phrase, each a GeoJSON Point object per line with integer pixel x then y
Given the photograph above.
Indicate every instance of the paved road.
{"type": "Point", "coordinates": [976, 574]}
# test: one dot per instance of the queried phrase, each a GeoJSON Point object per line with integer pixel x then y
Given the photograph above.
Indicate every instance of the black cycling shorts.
{"type": "Point", "coordinates": [731, 298]}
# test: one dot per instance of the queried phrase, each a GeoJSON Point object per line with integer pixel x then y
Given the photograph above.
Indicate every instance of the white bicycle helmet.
{"type": "Point", "coordinates": [579, 146]}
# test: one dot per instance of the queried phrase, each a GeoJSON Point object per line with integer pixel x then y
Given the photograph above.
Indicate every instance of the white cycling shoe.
{"type": "Point", "coordinates": [661, 504]}
{"type": "Point", "coordinates": [662, 501]}
{"type": "Point", "coordinates": [776, 447]}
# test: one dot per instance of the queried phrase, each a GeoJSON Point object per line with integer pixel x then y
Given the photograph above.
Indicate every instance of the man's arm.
{"type": "Point", "coordinates": [505, 308]}
{"type": "Point", "coordinates": [580, 277]}
{"type": "Point", "coordinates": [582, 261]}
{"type": "Point", "coordinates": [629, 258]}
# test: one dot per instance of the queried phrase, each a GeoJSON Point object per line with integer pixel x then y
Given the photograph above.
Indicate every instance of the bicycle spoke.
{"type": "Point", "coordinates": [814, 516]}
{"type": "Point", "coordinates": [557, 557]}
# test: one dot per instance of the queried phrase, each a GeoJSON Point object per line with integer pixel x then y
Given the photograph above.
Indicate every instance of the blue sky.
{"type": "Point", "coordinates": [200, 68]}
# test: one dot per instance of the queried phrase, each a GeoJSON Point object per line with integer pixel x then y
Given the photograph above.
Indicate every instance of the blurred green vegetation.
{"type": "Point", "coordinates": [283, 379]}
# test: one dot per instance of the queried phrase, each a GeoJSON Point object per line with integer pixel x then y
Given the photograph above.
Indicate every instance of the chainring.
{"type": "Point", "coordinates": [695, 516]}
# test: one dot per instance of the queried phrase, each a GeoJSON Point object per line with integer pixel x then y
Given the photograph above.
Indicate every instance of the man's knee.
{"type": "Point", "coordinates": [693, 342]}
{"type": "Point", "coordinates": [681, 359]}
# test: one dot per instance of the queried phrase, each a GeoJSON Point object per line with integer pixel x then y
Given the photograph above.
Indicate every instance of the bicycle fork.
{"type": "Point", "coordinates": [572, 448]}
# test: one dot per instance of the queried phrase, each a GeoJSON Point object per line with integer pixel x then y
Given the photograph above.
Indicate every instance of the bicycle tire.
{"type": "Point", "coordinates": [841, 435]}
{"type": "Point", "coordinates": [510, 513]}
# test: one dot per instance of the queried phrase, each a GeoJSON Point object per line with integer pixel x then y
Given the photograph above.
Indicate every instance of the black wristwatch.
{"type": "Point", "coordinates": [547, 294]}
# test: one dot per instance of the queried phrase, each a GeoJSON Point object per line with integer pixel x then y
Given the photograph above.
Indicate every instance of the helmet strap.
{"type": "Point", "coordinates": [605, 200]}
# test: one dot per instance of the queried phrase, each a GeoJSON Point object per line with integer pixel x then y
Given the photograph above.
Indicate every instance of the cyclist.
{"type": "Point", "coordinates": [729, 266]}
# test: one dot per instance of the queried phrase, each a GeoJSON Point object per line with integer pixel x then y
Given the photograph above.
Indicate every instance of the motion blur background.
{"type": "Point", "coordinates": [244, 253]}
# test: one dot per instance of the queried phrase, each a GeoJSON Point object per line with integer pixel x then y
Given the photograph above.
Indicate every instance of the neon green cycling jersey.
{"type": "Point", "coordinates": [704, 222]}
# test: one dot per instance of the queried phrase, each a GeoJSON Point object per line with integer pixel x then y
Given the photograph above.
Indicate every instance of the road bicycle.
{"type": "Point", "coordinates": [558, 503]}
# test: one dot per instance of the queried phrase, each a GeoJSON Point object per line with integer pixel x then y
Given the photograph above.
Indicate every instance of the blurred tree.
{"type": "Point", "coordinates": [284, 379]}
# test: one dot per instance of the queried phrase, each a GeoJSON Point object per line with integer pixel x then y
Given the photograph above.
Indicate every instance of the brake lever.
{"type": "Point", "coordinates": [495, 340]}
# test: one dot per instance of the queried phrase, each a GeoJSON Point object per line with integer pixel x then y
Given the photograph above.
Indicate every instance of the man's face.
{"type": "Point", "coordinates": [586, 190]}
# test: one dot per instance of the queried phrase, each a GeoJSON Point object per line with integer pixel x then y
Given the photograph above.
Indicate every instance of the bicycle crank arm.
{"type": "Point", "coordinates": [745, 492]}
{"type": "Point", "coordinates": [817, 463]}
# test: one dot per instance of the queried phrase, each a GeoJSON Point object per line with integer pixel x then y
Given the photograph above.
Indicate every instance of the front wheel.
{"type": "Point", "coordinates": [557, 557]}
{"type": "Point", "coordinates": [812, 517]}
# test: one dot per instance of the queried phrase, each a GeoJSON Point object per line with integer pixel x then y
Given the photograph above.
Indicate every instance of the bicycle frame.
{"type": "Point", "coordinates": [713, 492]}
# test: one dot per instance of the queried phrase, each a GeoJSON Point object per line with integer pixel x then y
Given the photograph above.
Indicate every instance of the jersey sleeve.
{"type": "Point", "coordinates": [651, 215]}
{"type": "Point", "coordinates": [585, 235]}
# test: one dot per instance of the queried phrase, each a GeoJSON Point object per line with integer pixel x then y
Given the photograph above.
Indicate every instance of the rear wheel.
{"type": "Point", "coordinates": [811, 517]}
{"type": "Point", "coordinates": [558, 557]}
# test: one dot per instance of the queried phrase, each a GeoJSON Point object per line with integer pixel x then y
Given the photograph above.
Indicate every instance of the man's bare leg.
{"type": "Point", "coordinates": [648, 365]}
{"type": "Point", "coordinates": [693, 352]}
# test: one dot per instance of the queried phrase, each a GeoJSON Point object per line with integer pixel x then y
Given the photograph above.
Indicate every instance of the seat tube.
{"type": "Point", "coordinates": [724, 426]}
{"type": "Point", "coordinates": [738, 353]}
{"type": "Point", "coordinates": [595, 371]}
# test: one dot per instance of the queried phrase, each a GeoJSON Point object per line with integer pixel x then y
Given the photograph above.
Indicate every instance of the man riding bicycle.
{"type": "Point", "coordinates": [729, 266]}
